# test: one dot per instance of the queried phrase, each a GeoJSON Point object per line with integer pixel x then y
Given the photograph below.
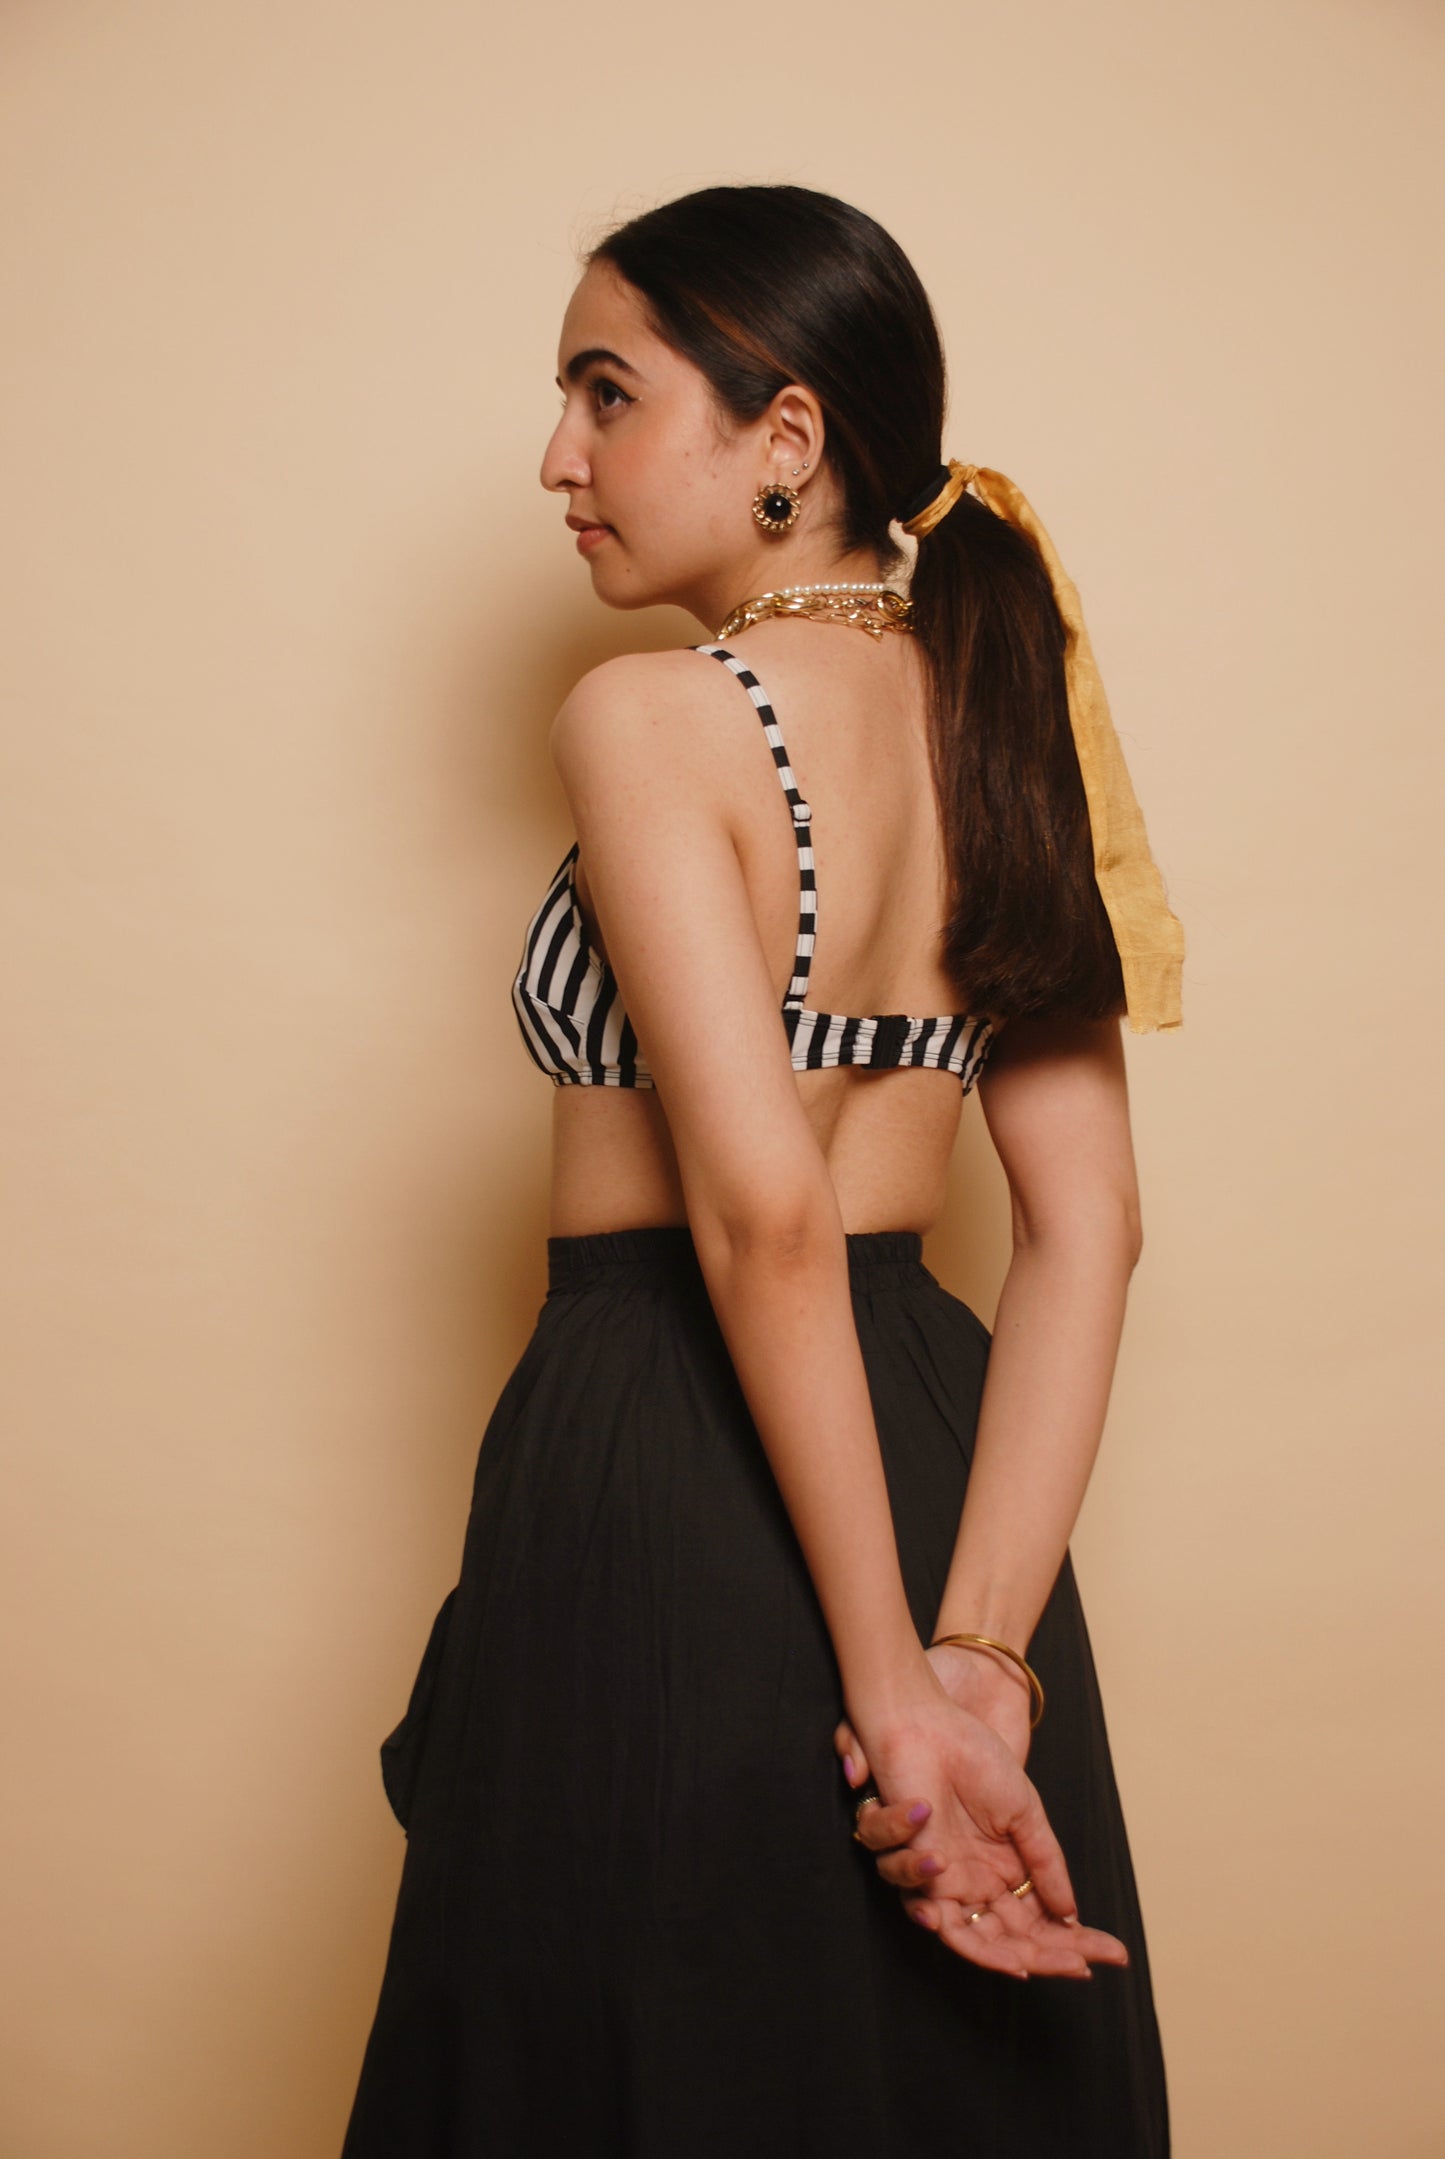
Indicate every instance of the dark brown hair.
{"type": "Point", "coordinates": [764, 285]}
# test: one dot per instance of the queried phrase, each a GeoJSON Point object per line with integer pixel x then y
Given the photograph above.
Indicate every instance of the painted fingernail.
{"type": "Point", "coordinates": [919, 1917]}
{"type": "Point", "coordinates": [920, 1810]}
{"type": "Point", "coordinates": [849, 1769]}
{"type": "Point", "coordinates": [930, 1866]}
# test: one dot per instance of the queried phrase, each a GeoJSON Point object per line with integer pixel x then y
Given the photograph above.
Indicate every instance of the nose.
{"type": "Point", "coordinates": [563, 464]}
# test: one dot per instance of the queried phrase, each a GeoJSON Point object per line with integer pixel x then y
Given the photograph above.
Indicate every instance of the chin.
{"type": "Point", "coordinates": [627, 602]}
{"type": "Point", "coordinates": [627, 594]}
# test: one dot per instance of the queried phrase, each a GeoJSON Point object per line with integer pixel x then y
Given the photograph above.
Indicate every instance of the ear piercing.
{"type": "Point", "coordinates": [776, 505]}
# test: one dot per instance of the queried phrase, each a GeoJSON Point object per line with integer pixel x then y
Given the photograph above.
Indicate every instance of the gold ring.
{"type": "Point", "coordinates": [872, 1800]}
{"type": "Point", "coordinates": [1025, 1887]}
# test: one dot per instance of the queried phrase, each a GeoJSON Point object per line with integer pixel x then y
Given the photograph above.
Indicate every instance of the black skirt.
{"type": "Point", "coordinates": [633, 1922]}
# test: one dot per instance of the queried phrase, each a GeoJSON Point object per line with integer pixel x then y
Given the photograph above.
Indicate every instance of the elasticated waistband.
{"type": "Point", "coordinates": [666, 1250]}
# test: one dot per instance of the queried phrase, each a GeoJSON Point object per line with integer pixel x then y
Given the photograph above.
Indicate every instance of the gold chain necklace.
{"type": "Point", "coordinates": [874, 608]}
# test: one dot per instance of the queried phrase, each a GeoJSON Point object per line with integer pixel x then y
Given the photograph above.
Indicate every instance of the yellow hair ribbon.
{"type": "Point", "coordinates": [1148, 935]}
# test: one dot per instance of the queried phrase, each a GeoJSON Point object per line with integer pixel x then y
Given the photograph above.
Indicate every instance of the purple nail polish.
{"type": "Point", "coordinates": [919, 1811]}
{"type": "Point", "coordinates": [848, 1767]}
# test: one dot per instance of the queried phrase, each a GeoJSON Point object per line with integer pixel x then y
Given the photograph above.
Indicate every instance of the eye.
{"type": "Point", "coordinates": [598, 383]}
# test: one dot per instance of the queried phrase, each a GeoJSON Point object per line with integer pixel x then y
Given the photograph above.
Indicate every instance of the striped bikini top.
{"type": "Point", "coordinates": [571, 1016]}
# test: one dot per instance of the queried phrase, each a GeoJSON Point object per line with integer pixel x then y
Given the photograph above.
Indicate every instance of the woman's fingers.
{"type": "Point", "coordinates": [1045, 1948]}
{"type": "Point", "coordinates": [1092, 1943]}
{"type": "Point", "coordinates": [1042, 1857]}
{"type": "Point", "coordinates": [1013, 1934]}
{"type": "Point", "coordinates": [1026, 1919]}
{"type": "Point", "coordinates": [848, 1748]}
{"type": "Point", "coordinates": [888, 1830]}
{"type": "Point", "coordinates": [988, 1942]}
{"type": "Point", "coordinates": [1052, 1944]}
{"type": "Point", "coordinates": [896, 1833]}
{"type": "Point", "coordinates": [949, 1922]}
{"type": "Point", "coordinates": [958, 1876]}
{"type": "Point", "coordinates": [909, 1869]}
{"type": "Point", "coordinates": [984, 1941]}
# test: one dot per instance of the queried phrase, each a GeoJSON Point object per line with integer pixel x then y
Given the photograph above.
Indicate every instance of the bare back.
{"type": "Point", "coordinates": [855, 717]}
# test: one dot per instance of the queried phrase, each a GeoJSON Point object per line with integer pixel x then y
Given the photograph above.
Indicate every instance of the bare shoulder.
{"type": "Point", "coordinates": [665, 716]}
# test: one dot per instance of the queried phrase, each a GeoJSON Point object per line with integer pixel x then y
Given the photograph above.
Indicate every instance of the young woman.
{"type": "Point", "coordinates": [713, 1844]}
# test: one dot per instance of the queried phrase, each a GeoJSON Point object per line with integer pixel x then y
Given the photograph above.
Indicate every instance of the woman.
{"type": "Point", "coordinates": [747, 1471]}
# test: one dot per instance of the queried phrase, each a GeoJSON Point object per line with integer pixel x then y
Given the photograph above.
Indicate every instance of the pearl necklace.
{"type": "Point", "coordinates": [874, 608]}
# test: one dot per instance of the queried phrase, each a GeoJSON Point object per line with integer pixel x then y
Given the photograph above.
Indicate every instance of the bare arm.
{"type": "Point", "coordinates": [639, 765]}
{"type": "Point", "coordinates": [1056, 1102]}
{"type": "Point", "coordinates": [784, 1307]}
{"type": "Point", "coordinates": [1055, 1099]}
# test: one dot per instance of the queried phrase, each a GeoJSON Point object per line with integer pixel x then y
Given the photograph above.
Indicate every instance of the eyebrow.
{"type": "Point", "coordinates": [579, 363]}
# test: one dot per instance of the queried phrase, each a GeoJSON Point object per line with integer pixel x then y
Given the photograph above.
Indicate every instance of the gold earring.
{"type": "Point", "coordinates": [776, 506]}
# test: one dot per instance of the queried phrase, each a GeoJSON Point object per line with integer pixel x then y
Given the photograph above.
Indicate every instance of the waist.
{"type": "Point", "coordinates": [666, 1252]}
{"type": "Point", "coordinates": [887, 1142]}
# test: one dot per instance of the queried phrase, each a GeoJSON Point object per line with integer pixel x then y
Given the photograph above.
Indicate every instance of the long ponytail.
{"type": "Point", "coordinates": [1027, 929]}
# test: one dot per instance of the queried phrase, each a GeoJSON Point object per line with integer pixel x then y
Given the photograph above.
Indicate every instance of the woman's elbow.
{"type": "Point", "coordinates": [1111, 1222]}
{"type": "Point", "coordinates": [780, 1223]}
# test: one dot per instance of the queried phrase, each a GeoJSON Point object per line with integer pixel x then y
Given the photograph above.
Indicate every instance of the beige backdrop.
{"type": "Point", "coordinates": [289, 614]}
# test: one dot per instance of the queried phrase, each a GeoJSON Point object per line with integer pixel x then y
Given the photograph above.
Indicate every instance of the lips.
{"type": "Point", "coordinates": [588, 524]}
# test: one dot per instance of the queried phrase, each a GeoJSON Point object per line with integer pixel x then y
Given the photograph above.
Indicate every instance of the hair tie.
{"type": "Point", "coordinates": [934, 506]}
{"type": "Point", "coordinates": [1148, 935]}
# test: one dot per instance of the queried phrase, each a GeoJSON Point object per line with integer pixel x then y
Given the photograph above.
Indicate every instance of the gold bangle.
{"type": "Point", "coordinates": [986, 1641]}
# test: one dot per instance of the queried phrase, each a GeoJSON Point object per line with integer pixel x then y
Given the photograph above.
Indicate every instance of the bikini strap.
{"type": "Point", "coordinates": [802, 821]}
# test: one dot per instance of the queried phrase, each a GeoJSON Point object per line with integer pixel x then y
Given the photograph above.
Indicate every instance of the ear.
{"type": "Point", "coordinates": [793, 432]}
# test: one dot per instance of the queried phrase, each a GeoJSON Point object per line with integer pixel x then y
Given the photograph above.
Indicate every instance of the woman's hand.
{"type": "Point", "coordinates": [986, 1833]}
{"type": "Point", "coordinates": [978, 1681]}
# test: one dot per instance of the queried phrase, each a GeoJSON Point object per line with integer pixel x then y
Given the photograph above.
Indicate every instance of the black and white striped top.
{"type": "Point", "coordinates": [571, 1016]}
